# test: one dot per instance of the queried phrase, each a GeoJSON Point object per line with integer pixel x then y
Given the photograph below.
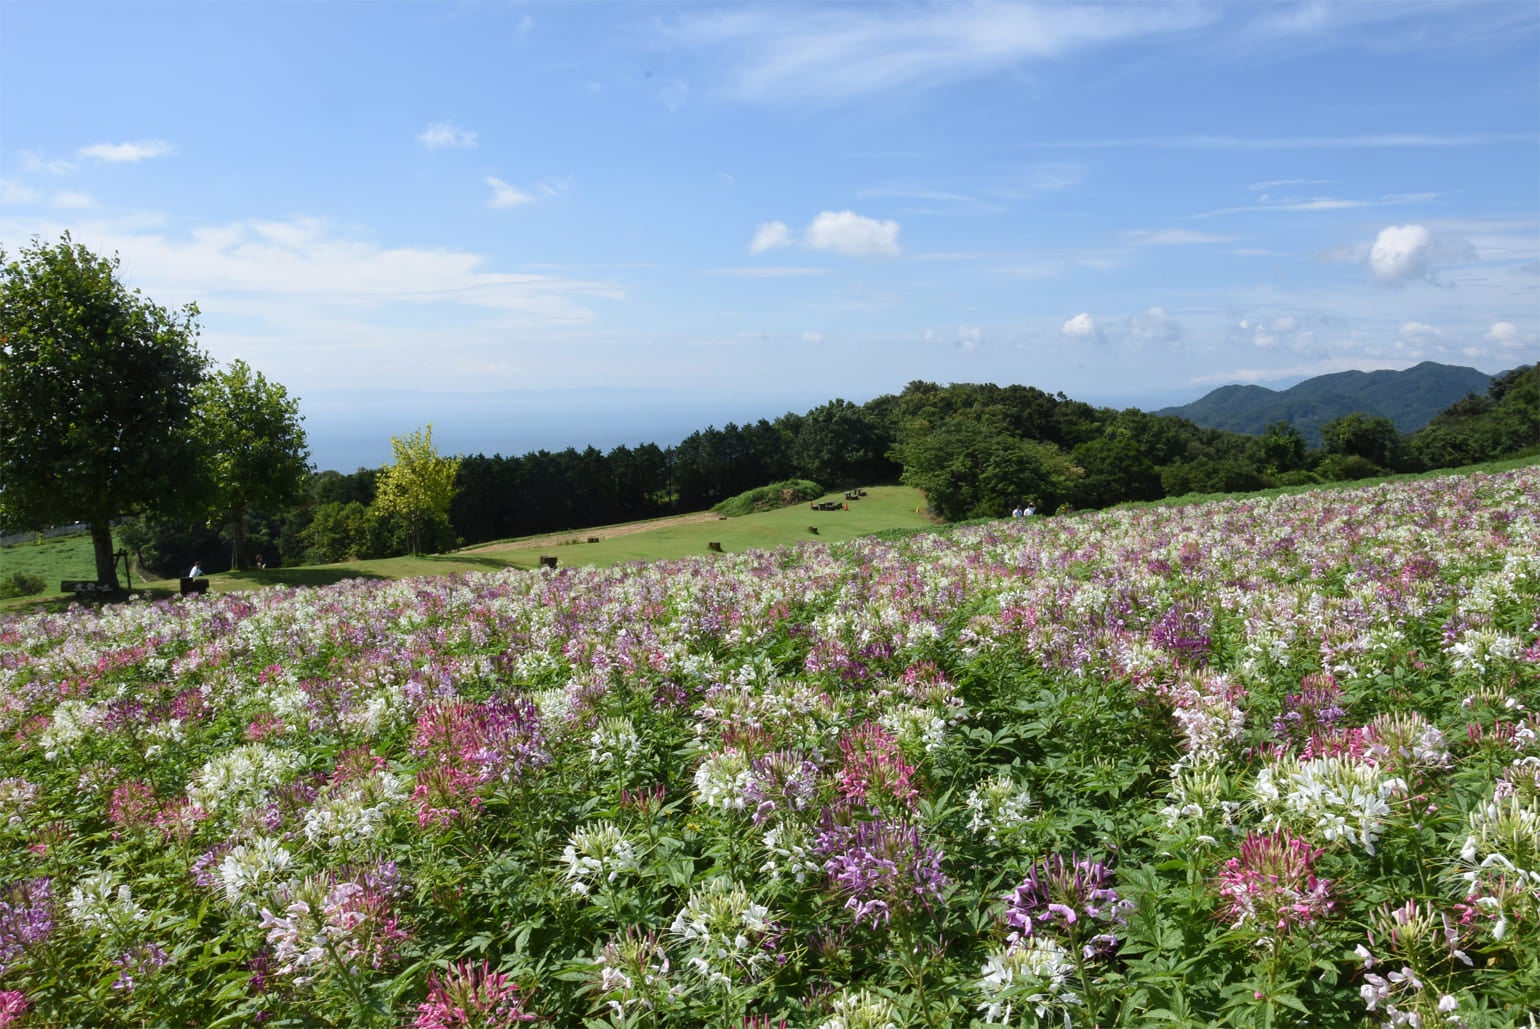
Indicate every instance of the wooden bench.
{"type": "Point", "coordinates": [547, 561]}
{"type": "Point", "coordinates": [194, 586]}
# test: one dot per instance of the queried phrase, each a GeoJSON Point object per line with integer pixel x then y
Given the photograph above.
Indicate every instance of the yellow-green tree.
{"type": "Point", "coordinates": [420, 485]}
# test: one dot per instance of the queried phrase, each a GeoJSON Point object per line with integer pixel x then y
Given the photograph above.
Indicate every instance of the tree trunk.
{"type": "Point", "coordinates": [101, 542]}
{"type": "Point", "coordinates": [240, 541]}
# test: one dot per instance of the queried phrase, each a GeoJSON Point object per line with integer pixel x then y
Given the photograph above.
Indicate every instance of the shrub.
{"type": "Point", "coordinates": [22, 584]}
{"type": "Point", "coordinates": [770, 498]}
{"type": "Point", "coordinates": [1340, 467]}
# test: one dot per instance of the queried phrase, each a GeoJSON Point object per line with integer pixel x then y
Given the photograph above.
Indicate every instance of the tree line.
{"type": "Point", "coordinates": [109, 409]}
{"type": "Point", "coordinates": [976, 450]}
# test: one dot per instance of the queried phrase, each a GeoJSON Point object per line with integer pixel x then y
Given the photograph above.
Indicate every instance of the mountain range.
{"type": "Point", "coordinates": [1408, 398]}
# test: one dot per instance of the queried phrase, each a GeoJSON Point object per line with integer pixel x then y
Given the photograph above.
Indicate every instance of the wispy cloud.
{"type": "Point", "coordinates": [1315, 204]}
{"type": "Point", "coordinates": [504, 195]}
{"type": "Point", "coordinates": [19, 193]}
{"type": "Point", "coordinates": [310, 260]}
{"type": "Point", "coordinates": [310, 303]}
{"type": "Point", "coordinates": [963, 337]}
{"type": "Point", "coordinates": [1263, 187]}
{"type": "Point", "coordinates": [1372, 141]}
{"type": "Point", "coordinates": [983, 196]}
{"type": "Point", "coordinates": [34, 162]}
{"type": "Point", "coordinates": [840, 54]}
{"type": "Point", "coordinates": [1153, 325]}
{"type": "Point", "coordinates": [441, 134]}
{"type": "Point", "coordinates": [926, 200]}
{"type": "Point", "coordinates": [127, 153]}
{"type": "Point", "coordinates": [775, 272]}
{"type": "Point", "coordinates": [1174, 237]}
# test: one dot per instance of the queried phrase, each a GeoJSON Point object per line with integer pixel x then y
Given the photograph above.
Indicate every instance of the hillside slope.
{"type": "Point", "coordinates": [1408, 398]}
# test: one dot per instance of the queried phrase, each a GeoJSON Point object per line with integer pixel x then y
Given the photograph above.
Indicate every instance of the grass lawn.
{"type": "Point", "coordinates": [883, 508]}
{"type": "Point", "coordinates": [63, 557]}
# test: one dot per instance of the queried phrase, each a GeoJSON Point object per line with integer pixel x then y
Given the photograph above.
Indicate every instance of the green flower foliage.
{"type": "Point", "coordinates": [1263, 762]}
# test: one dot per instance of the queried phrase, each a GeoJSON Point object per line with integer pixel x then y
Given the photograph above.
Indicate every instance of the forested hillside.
{"type": "Point", "coordinates": [976, 450]}
{"type": "Point", "coordinates": [1409, 398]}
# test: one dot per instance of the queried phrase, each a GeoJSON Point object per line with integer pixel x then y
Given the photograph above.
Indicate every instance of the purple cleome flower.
{"type": "Point", "coordinates": [883, 868]}
{"type": "Point", "coordinates": [1073, 899]}
{"type": "Point", "coordinates": [25, 918]}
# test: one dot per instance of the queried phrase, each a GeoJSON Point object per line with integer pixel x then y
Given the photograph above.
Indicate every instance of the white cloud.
{"type": "Point", "coordinates": [1401, 254]}
{"type": "Point", "coordinates": [846, 232]}
{"type": "Point", "coordinates": [1153, 325]}
{"type": "Point", "coordinates": [73, 200]}
{"type": "Point", "coordinates": [317, 307]}
{"type": "Point", "coordinates": [768, 236]}
{"type": "Point", "coordinates": [1507, 336]}
{"type": "Point", "coordinates": [35, 163]}
{"type": "Point", "coordinates": [1267, 334]}
{"type": "Point", "coordinates": [1418, 332]}
{"type": "Point", "coordinates": [812, 337]}
{"type": "Point", "coordinates": [964, 337]}
{"type": "Point", "coordinates": [307, 261]}
{"type": "Point", "coordinates": [1174, 237]}
{"type": "Point", "coordinates": [13, 192]}
{"type": "Point", "coordinates": [442, 134]}
{"type": "Point", "coordinates": [504, 195]}
{"type": "Point", "coordinates": [1082, 327]}
{"type": "Point", "coordinates": [126, 153]}
{"type": "Point", "coordinates": [843, 232]}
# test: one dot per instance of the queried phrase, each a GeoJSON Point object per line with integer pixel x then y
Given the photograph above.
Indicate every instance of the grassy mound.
{"type": "Point", "coordinates": [770, 498]}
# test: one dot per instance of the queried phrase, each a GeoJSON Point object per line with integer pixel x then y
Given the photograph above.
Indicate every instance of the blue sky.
{"type": "Point", "coordinates": [537, 225]}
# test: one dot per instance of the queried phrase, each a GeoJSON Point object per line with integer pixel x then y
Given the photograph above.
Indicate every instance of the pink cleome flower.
{"type": "Point", "coordinates": [471, 996]}
{"type": "Point", "coordinates": [1272, 884]}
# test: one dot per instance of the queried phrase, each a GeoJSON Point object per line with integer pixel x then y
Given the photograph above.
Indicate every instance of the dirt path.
{"type": "Point", "coordinates": [597, 532]}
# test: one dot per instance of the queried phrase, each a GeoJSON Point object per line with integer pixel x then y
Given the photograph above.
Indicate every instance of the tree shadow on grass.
{"type": "Point", "coordinates": [493, 564]}
{"type": "Point", "coordinates": [301, 576]}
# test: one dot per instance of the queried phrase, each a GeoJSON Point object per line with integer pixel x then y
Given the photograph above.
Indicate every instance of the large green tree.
{"type": "Point", "coordinates": [96, 396]}
{"type": "Point", "coordinates": [257, 458]}
{"type": "Point", "coordinates": [420, 486]}
{"type": "Point", "coordinates": [1374, 438]}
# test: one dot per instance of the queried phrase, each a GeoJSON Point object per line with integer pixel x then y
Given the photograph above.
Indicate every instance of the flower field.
{"type": "Point", "coordinates": [1259, 762]}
